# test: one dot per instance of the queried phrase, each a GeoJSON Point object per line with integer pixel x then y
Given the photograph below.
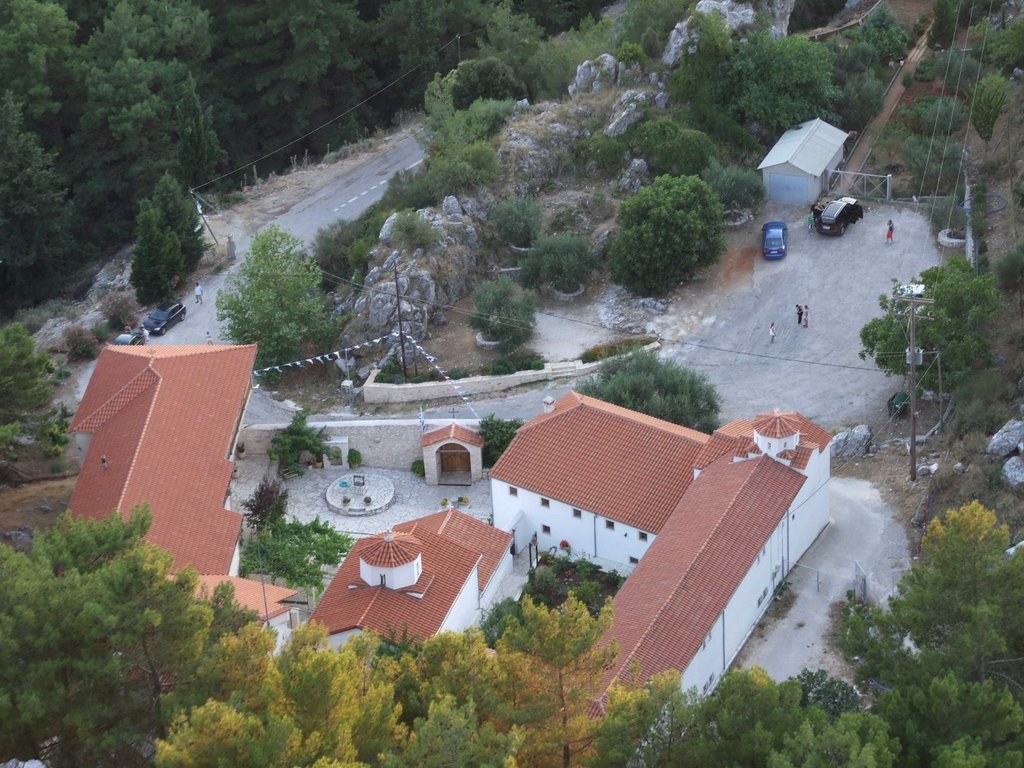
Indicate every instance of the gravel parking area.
{"type": "Point", "coordinates": [815, 370]}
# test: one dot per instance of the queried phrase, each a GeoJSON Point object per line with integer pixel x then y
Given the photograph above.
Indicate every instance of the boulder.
{"type": "Point", "coordinates": [592, 76]}
{"type": "Point", "coordinates": [451, 207]}
{"type": "Point", "coordinates": [1005, 441]}
{"type": "Point", "coordinates": [661, 100]}
{"type": "Point", "coordinates": [852, 443]}
{"type": "Point", "coordinates": [533, 146]}
{"type": "Point", "coordinates": [684, 39]}
{"type": "Point", "coordinates": [1013, 472]}
{"type": "Point", "coordinates": [634, 177]}
{"type": "Point", "coordinates": [628, 111]}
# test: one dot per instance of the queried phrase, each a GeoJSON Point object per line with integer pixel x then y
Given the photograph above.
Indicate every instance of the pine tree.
{"type": "Point", "coordinates": [156, 260]}
{"type": "Point", "coordinates": [178, 214]}
{"type": "Point", "coordinates": [198, 147]}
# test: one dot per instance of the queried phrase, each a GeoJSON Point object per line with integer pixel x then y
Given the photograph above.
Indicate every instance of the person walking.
{"type": "Point", "coordinates": [810, 221]}
{"type": "Point", "coordinates": [890, 230]}
{"type": "Point", "coordinates": [799, 314]}
{"type": "Point", "coordinates": [145, 335]}
{"type": "Point", "coordinates": [209, 338]}
{"type": "Point", "coordinates": [771, 333]}
{"type": "Point", "coordinates": [199, 293]}
{"type": "Point", "coordinates": [807, 314]}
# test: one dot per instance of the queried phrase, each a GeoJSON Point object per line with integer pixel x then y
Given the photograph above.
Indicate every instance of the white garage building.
{"type": "Point", "coordinates": [798, 166]}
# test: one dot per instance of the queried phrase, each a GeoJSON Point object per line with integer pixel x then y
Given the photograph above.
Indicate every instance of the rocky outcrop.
{"type": "Point", "coordinates": [428, 278]}
{"type": "Point", "coordinates": [1006, 440]}
{"type": "Point", "coordinates": [1013, 472]}
{"type": "Point", "coordinates": [852, 443]}
{"type": "Point", "coordinates": [684, 38]}
{"type": "Point", "coordinates": [628, 111]}
{"type": "Point", "coordinates": [593, 76]}
{"type": "Point", "coordinates": [533, 144]}
{"type": "Point", "coordinates": [635, 176]}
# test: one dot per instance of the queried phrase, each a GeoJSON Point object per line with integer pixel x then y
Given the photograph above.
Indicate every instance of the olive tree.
{"type": "Point", "coordinates": [504, 313]}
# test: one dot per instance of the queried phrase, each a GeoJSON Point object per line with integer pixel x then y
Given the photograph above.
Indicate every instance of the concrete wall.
{"type": "Point", "coordinates": [384, 443]}
{"type": "Point", "coordinates": [465, 610]}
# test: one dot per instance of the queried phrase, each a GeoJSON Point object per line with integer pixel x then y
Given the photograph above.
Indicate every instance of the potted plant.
{"type": "Point", "coordinates": [367, 500]}
{"type": "Point", "coordinates": [444, 503]}
{"type": "Point", "coordinates": [462, 501]}
{"type": "Point", "coordinates": [240, 450]}
{"type": "Point", "coordinates": [354, 458]}
{"type": "Point", "coordinates": [345, 501]}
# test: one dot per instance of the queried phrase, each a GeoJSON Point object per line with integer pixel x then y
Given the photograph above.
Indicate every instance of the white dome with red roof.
{"type": "Point", "coordinates": [776, 432]}
{"type": "Point", "coordinates": [392, 560]}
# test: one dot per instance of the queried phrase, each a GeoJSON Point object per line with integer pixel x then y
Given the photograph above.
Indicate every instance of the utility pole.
{"type": "Point", "coordinates": [911, 358]}
{"type": "Point", "coordinates": [401, 331]}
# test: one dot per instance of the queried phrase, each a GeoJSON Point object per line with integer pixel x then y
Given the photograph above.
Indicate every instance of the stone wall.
{"type": "Point", "coordinates": [473, 385]}
{"type": "Point", "coordinates": [384, 443]}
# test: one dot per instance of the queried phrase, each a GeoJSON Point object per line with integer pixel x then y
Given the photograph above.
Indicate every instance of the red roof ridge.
{"type": "Point", "coordinates": [391, 549]}
{"type": "Point", "coordinates": [453, 431]}
{"type": "Point", "coordinates": [586, 401]}
{"type": "Point", "coordinates": [136, 386]}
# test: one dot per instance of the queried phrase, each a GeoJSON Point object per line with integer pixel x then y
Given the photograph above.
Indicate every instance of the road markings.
{"type": "Point", "coordinates": [410, 167]}
{"type": "Point", "coordinates": [352, 200]}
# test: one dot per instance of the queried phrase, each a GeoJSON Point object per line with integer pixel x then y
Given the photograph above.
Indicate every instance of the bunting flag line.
{"type": "Point", "coordinates": [444, 374]}
{"type": "Point", "coordinates": [326, 357]}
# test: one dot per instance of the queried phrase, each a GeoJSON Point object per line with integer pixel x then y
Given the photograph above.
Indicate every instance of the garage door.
{"type": "Point", "coordinates": [787, 189]}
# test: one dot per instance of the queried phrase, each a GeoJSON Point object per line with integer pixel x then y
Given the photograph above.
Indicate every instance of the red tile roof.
{"type": "Point", "coordinates": [389, 550]}
{"type": "Point", "coordinates": [266, 599]}
{"type": "Point", "coordinates": [166, 417]}
{"type": "Point", "coordinates": [605, 459]}
{"type": "Point", "coordinates": [783, 424]}
{"type": "Point", "coordinates": [465, 530]}
{"type": "Point", "coordinates": [674, 596]}
{"type": "Point", "coordinates": [452, 432]}
{"type": "Point", "coordinates": [350, 603]}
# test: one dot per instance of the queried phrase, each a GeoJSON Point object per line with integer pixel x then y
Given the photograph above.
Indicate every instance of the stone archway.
{"type": "Point", "coordinates": [452, 455]}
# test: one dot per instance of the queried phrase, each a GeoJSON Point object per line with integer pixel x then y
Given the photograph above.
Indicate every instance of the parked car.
{"type": "Point", "coordinates": [834, 218]}
{"type": "Point", "coordinates": [774, 239]}
{"type": "Point", "coordinates": [163, 317]}
{"type": "Point", "coordinates": [130, 338]}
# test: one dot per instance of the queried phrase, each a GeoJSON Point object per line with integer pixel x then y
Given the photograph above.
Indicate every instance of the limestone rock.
{"type": "Point", "coordinates": [628, 111]}
{"type": "Point", "coordinates": [592, 76]}
{"type": "Point", "coordinates": [684, 39]}
{"type": "Point", "coordinates": [852, 443]}
{"type": "Point", "coordinates": [451, 207]}
{"type": "Point", "coordinates": [1005, 441]}
{"type": "Point", "coordinates": [661, 100]}
{"type": "Point", "coordinates": [1013, 472]}
{"type": "Point", "coordinates": [387, 228]}
{"type": "Point", "coordinates": [635, 176]}
{"type": "Point", "coordinates": [533, 145]}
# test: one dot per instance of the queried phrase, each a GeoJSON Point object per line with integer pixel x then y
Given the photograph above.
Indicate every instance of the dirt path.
{"type": "Point", "coordinates": [855, 163]}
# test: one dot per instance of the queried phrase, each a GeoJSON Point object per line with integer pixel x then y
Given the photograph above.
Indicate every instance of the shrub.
{"type": "Point", "coordinates": [482, 120]}
{"type": "Point", "coordinates": [669, 148]}
{"type": "Point", "coordinates": [735, 187]}
{"type": "Point", "coordinates": [631, 53]}
{"type": "Point", "coordinates": [907, 80]}
{"type": "Point", "coordinates": [119, 308]}
{"type": "Point", "coordinates": [101, 331]}
{"type": "Point", "coordinates": [562, 261]}
{"type": "Point", "coordinates": [411, 231]}
{"type": "Point", "coordinates": [484, 78]}
{"type": "Point", "coordinates": [925, 71]}
{"type": "Point", "coordinates": [518, 221]}
{"type": "Point", "coordinates": [504, 312]}
{"type": "Point", "coordinates": [462, 168]}
{"type": "Point", "coordinates": [606, 152]}
{"type": "Point", "coordinates": [939, 115]}
{"type": "Point", "coordinates": [983, 403]}
{"type": "Point", "coordinates": [589, 593]}
{"type": "Point", "coordinates": [298, 437]}
{"type": "Point", "coordinates": [417, 468]}
{"type": "Point", "coordinates": [946, 213]}
{"type": "Point", "coordinates": [883, 30]}
{"type": "Point", "coordinates": [651, 43]}
{"type": "Point", "coordinates": [545, 588]}
{"type": "Point", "coordinates": [354, 457]}
{"type": "Point", "coordinates": [267, 505]}
{"type": "Point", "coordinates": [858, 56]}
{"type": "Point", "coordinates": [936, 168]}
{"type": "Point", "coordinates": [961, 71]}
{"type": "Point", "coordinates": [508, 364]}
{"type": "Point", "coordinates": [497, 434]}
{"type": "Point", "coordinates": [500, 615]}
{"type": "Point", "coordinates": [81, 343]}
{"type": "Point", "coordinates": [861, 99]}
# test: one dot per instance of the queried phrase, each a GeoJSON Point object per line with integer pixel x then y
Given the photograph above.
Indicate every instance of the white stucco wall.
{"type": "Point", "coordinates": [491, 588]}
{"type": "Point", "coordinates": [588, 534]}
{"type": "Point", "coordinates": [734, 625]}
{"type": "Point", "coordinates": [809, 513]}
{"type": "Point", "coordinates": [236, 560]}
{"type": "Point", "coordinates": [465, 609]}
{"type": "Point", "coordinates": [399, 577]}
{"type": "Point", "coordinates": [283, 628]}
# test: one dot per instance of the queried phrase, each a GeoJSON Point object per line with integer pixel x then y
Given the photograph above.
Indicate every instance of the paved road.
{"type": "Point", "coordinates": [345, 198]}
{"type": "Point", "coordinates": [863, 529]}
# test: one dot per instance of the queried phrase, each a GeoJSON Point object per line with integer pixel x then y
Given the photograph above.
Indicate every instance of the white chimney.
{"type": "Point", "coordinates": [549, 404]}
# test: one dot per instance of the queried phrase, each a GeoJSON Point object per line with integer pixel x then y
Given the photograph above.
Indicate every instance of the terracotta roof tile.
{"type": "Point", "coordinates": [165, 417]}
{"type": "Point", "coordinates": [605, 459]}
{"type": "Point", "coordinates": [452, 432]}
{"type": "Point", "coordinates": [350, 603]}
{"type": "Point", "coordinates": [266, 599]}
{"type": "Point", "coordinates": [389, 550]}
{"type": "Point", "coordinates": [454, 525]}
{"type": "Point", "coordinates": [672, 599]}
{"type": "Point", "coordinates": [785, 423]}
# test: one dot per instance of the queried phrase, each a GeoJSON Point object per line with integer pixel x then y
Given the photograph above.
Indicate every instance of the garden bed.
{"type": "Point", "coordinates": [558, 576]}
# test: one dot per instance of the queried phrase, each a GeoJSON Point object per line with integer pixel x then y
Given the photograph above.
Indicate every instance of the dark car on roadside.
{"type": "Point", "coordinates": [774, 239]}
{"type": "Point", "coordinates": [834, 218]}
{"type": "Point", "coordinates": [163, 317]}
{"type": "Point", "coordinates": [129, 338]}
